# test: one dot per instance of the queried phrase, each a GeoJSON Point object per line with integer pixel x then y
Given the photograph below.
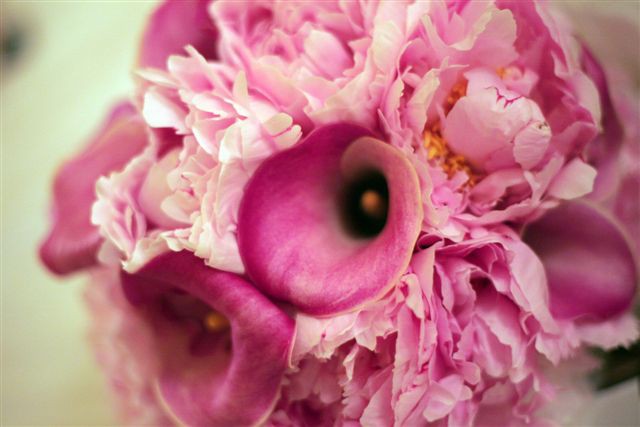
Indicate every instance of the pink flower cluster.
{"type": "Point", "coordinates": [354, 213]}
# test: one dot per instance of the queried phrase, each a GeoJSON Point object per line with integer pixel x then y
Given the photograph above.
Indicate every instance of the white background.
{"type": "Point", "coordinates": [78, 62]}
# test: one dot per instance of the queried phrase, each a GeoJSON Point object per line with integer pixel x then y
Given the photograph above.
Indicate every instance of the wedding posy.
{"type": "Point", "coordinates": [346, 213]}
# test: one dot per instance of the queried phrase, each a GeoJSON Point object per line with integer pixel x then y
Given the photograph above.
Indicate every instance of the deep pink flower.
{"type": "Point", "coordinates": [174, 25]}
{"type": "Point", "coordinates": [123, 344]}
{"type": "Point", "coordinates": [211, 373]}
{"type": "Point", "coordinates": [589, 263]}
{"type": "Point", "coordinates": [303, 240]}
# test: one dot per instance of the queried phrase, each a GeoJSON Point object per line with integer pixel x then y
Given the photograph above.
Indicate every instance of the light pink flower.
{"type": "Point", "coordinates": [211, 132]}
{"type": "Point", "coordinates": [410, 64]}
{"type": "Point", "coordinates": [455, 341]}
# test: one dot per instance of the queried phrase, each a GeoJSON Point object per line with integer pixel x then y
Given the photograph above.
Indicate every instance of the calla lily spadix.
{"type": "Point", "coordinates": [300, 229]}
{"type": "Point", "coordinates": [223, 346]}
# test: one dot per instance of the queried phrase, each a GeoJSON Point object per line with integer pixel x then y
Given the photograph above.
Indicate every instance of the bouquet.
{"type": "Point", "coordinates": [356, 213]}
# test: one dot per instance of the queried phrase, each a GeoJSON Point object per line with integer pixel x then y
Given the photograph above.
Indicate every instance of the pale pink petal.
{"type": "Point", "coordinates": [574, 180]}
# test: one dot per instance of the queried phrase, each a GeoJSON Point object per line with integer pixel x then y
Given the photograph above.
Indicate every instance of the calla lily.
{"type": "Point", "coordinates": [332, 222]}
{"type": "Point", "coordinates": [223, 346]}
{"type": "Point", "coordinates": [589, 264]}
{"type": "Point", "coordinates": [174, 25]}
{"type": "Point", "coordinates": [73, 241]}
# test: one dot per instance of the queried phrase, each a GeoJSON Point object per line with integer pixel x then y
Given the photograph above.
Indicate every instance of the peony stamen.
{"type": "Point", "coordinates": [508, 72]}
{"type": "Point", "coordinates": [457, 91]}
{"type": "Point", "coordinates": [215, 322]}
{"type": "Point", "coordinates": [439, 151]}
{"type": "Point", "coordinates": [437, 148]}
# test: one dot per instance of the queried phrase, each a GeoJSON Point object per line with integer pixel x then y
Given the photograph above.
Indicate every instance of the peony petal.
{"type": "Point", "coordinates": [159, 111]}
{"type": "Point", "coordinates": [239, 389]}
{"type": "Point", "coordinates": [155, 189]}
{"type": "Point", "coordinates": [292, 240]}
{"type": "Point", "coordinates": [574, 180]}
{"type": "Point", "coordinates": [493, 128]}
{"type": "Point", "coordinates": [588, 262]}
{"type": "Point", "coordinates": [174, 25]}
{"type": "Point", "coordinates": [73, 241]}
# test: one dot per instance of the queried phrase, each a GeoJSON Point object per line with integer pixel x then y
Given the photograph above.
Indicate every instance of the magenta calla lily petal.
{"type": "Point", "coordinates": [293, 242]}
{"type": "Point", "coordinates": [236, 387]}
{"type": "Point", "coordinates": [174, 25]}
{"type": "Point", "coordinates": [73, 241]}
{"type": "Point", "coordinates": [589, 264]}
{"type": "Point", "coordinates": [604, 153]}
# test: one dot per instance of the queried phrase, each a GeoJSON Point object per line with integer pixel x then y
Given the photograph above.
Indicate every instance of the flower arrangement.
{"type": "Point", "coordinates": [355, 213]}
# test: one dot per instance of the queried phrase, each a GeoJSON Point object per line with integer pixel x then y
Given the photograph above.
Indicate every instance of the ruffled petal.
{"type": "Point", "coordinates": [218, 387]}
{"type": "Point", "coordinates": [588, 261]}
{"type": "Point", "coordinates": [73, 241]}
{"type": "Point", "coordinates": [292, 239]}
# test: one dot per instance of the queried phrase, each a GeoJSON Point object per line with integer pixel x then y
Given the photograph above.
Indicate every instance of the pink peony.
{"type": "Point", "coordinates": [347, 213]}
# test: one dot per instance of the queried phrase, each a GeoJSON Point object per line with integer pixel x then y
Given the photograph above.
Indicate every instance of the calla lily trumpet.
{"type": "Point", "coordinates": [223, 346]}
{"type": "Point", "coordinates": [165, 35]}
{"type": "Point", "coordinates": [588, 260]}
{"type": "Point", "coordinates": [332, 222]}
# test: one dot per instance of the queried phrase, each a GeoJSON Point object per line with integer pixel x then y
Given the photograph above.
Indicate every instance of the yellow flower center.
{"type": "Point", "coordinates": [373, 204]}
{"type": "Point", "coordinates": [437, 148]}
{"type": "Point", "coordinates": [457, 91]}
{"type": "Point", "coordinates": [439, 151]}
{"type": "Point", "coordinates": [215, 322]}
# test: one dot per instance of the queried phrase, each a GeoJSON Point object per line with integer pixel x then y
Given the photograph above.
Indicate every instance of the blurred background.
{"type": "Point", "coordinates": [63, 64]}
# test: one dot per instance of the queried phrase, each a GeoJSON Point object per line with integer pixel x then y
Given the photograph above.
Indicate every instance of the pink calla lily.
{"type": "Point", "coordinates": [220, 374]}
{"type": "Point", "coordinates": [174, 25]}
{"type": "Point", "coordinates": [73, 241]}
{"type": "Point", "coordinates": [299, 232]}
{"type": "Point", "coordinates": [589, 264]}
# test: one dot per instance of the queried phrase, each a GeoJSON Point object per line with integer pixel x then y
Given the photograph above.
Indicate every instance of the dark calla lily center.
{"type": "Point", "coordinates": [208, 331]}
{"type": "Point", "coordinates": [364, 204]}
{"type": "Point", "coordinates": [215, 322]}
{"type": "Point", "coordinates": [179, 306]}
